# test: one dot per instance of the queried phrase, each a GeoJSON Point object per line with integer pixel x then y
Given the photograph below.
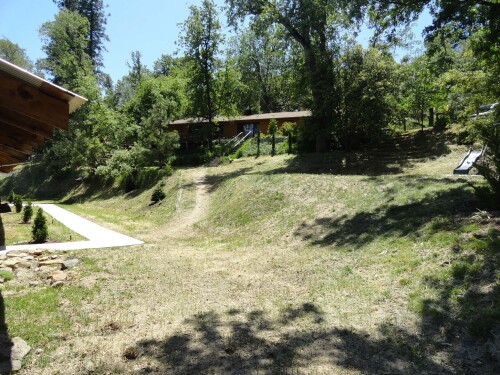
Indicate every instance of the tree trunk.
{"type": "Point", "coordinates": [321, 81]}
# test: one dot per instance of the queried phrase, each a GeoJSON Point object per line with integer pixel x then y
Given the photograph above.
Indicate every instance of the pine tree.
{"type": "Point", "coordinates": [27, 212]}
{"type": "Point", "coordinates": [94, 12]}
{"type": "Point", "coordinates": [201, 40]}
{"type": "Point", "coordinates": [40, 231]}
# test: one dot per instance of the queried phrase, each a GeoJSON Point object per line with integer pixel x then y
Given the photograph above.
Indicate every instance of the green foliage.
{"type": "Point", "coordinates": [315, 26]}
{"type": "Point", "coordinates": [290, 129]}
{"type": "Point", "coordinates": [94, 12]}
{"type": "Point", "coordinates": [489, 167]}
{"type": "Point", "coordinates": [122, 163]}
{"type": "Point", "coordinates": [158, 194]}
{"type": "Point", "coordinates": [269, 66]}
{"type": "Point", "coordinates": [39, 230]}
{"type": "Point", "coordinates": [201, 39]}
{"type": "Point", "coordinates": [91, 132]}
{"type": "Point", "coordinates": [11, 196]}
{"type": "Point", "coordinates": [367, 81]}
{"type": "Point", "coordinates": [14, 54]}
{"type": "Point", "coordinates": [416, 89]}
{"type": "Point", "coordinates": [18, 202]}
{"type": "Point", "coordinates": [65, 43]}
{"type": "Point", "coordinates": [27, 212]}
{"type": "Point", "coordinates": [251, 148]}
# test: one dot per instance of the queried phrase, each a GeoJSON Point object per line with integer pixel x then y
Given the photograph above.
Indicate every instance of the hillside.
{"type": "Point", "coordinates": [363, 263]}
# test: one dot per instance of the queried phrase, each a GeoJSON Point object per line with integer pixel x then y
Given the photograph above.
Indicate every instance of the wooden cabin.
{"type": "Point", "coordinates": [230, 127]}
{"type": "Point", "coordinates": [31, 108]}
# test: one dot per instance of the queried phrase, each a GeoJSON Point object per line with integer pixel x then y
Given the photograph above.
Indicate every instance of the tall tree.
{"type": "Point", "coordinates": [65, 41]}
{"type": "Point", "coordinates": [366, 77]}
{"type": "Point", "coordinates": [314, 25]}
{"type": "Point", "coordinates": [94, 12]}
{"type": "Point", "coordinates": [14, 54]}
{"type": "Point", "coordinates": [137, 70]}
{"type": "Point", "coordinates": [201, 39]}
{"type": "Point", "coordinates": [91, 129]}
{"type": "Point", "coordinates": [464, 17]}
{"type": "Point", "coordinates": [264, 59]}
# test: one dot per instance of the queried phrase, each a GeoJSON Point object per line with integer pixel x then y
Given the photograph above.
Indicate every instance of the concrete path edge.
{"type": "Point", "coordinates": [98, 236]}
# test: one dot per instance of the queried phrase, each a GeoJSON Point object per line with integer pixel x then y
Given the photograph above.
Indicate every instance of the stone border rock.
{"type": "Point", "coordinates": [38, 267]}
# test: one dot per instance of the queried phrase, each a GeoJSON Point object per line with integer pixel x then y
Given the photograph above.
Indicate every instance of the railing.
{"type": "Point", "coordinates": [234, 142]}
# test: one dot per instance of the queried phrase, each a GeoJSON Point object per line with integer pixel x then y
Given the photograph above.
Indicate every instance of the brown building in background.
{"type": "Point", "coordinates": [230, 127]}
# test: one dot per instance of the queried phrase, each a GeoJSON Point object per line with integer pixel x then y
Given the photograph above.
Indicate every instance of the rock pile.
{"type": "Point", "coordinates": [38, 266]}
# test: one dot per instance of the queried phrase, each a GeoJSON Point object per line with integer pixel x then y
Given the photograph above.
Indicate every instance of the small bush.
{"type": "Point", "coordinates": [158, 194]}
{"type": "Point", "coordinates": [11, 196]}
{"type": "Point", "coordinates": [39, 231]}
{"type": "Point", "coordinates": [18, 203]}
{"type": "Point", "coordinates": [27, 212]}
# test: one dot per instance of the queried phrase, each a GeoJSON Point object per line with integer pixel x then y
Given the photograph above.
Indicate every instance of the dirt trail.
{"type": "Point", "coordinates": [181, 227]}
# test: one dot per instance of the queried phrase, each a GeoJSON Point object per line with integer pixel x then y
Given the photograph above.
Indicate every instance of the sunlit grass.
{"type": "Point", "coordinates": [17, 232]}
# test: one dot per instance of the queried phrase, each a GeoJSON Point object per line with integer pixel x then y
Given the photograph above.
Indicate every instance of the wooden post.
{"type": "Point", "coordinates": [258, 141]}
{"type": "Point", "coordinates": [431, 117]}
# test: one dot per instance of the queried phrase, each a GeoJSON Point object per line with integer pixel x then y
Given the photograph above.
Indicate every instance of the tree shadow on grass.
{"type": "Point", "coordinates": [456, 336]}
{"type": "Point", "coordinates": [390, 158]}
{"type": "Point", "coordinates": [242, 343]}
{"type": "Point", "coordinates": [466, 311]}
{"type": "Point", "coordinates": [437, 210]}
{"type": "Point", "coordinates": [213, 181]}
{"type": "Point", "coordinates": [462, 320]}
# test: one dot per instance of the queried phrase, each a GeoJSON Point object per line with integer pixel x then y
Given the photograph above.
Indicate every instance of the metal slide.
{"type": "Point", "coordinates": [468, 161]}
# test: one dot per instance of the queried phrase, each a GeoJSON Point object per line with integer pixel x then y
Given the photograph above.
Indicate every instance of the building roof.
{"type": "Point", "coordinates": [31, 108]}
{"type": "Point", "coordinates": [250, 118]}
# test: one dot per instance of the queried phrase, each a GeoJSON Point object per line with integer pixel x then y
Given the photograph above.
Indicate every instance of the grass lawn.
{"type": "Point", "coordinates": [329, 264]}
{"type": "Point", "coordinates": [17, 232]}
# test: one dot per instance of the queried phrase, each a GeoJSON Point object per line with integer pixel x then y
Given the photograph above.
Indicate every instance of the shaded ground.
{"type": "Point", "coordinates": [244, 343]}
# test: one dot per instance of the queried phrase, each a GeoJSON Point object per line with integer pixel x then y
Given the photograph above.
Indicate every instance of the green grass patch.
{"type": "Point", "coordinates": [17, 232]}
{"type": "Point", "coordinates": [39, 318]}
{"type": "Point", "coordinates": [6, 275]}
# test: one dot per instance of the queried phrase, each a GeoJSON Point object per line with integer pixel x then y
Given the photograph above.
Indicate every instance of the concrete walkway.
{"type": "Point", "coordinates": [98, 237]}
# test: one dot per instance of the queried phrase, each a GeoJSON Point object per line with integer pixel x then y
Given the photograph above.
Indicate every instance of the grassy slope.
{"type": "Point", "coordinates": [318, 264]}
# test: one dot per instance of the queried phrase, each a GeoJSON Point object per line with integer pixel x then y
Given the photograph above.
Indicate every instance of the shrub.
{"type": "Point", "coordinates": [158, 194]}
{"type": "Point", "coordinates": [40, 231]}
{"type": "Point", "coordinates": [11, 196]}
{"type": "Point", "coordinates": [18, 202]}
{"type": "Point", "coordinates": [27, 212]}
